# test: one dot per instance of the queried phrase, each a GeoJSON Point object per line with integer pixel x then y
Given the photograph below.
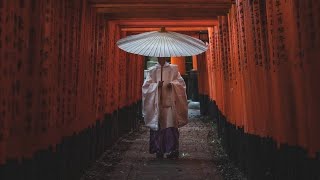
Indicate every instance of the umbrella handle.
{"type": "Point", "coordinates": [160, 97]}
{"type": "Point", "coordinates": [161, 87]}
{"type": "Point", "coordinates": [161, 72]}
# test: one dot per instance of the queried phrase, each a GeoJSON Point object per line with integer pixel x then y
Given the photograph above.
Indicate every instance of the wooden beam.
{"type": "Point", "coordinates": [167, 23]}
{"type": "Point", "coordinates": [112, 7]}
{"type": "Point", "coordinates": [189, 33]}
{"type": "Point", "coordinates": [173, 15]}
{"type": "Point", "coordinates": [157, 10]}
{"type": "Point", "coordinates": [162, 9]}
{"type": "Point", "coordinates": [157, 1]}
{"type": "Point", "coordinates": [176, 29]}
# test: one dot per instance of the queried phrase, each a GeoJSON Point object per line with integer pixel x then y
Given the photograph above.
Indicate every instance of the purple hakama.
{"type": "Point", "coordinates": [164, 140]}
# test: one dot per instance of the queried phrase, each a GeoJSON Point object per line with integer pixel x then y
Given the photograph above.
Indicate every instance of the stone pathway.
{"type": "Point", "coordinates": [130, 158]}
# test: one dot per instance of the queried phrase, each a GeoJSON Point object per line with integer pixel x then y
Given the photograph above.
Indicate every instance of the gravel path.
{"type": "Point", "coordinates": [129, 157]}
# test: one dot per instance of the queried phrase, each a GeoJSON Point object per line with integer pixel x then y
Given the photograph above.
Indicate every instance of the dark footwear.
{"type": "Point", "coordinates": [173, 155]}
{"type": "Point", "coordinates": [159, 155]}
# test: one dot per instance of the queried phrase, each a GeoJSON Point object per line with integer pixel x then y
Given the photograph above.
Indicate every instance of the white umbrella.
{"type": "Point", "coordinates": [162, 44]}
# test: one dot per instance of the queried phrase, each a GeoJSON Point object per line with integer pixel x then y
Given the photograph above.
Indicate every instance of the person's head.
{"type": "Point", "coordinates": [162, 60]}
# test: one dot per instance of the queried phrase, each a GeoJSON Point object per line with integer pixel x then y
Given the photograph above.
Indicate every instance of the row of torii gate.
{"type": "Point", "coordinates": [67, 92]}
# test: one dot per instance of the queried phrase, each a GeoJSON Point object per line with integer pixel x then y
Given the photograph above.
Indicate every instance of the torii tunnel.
{"type": "Point", "coordinates": [68, 93]}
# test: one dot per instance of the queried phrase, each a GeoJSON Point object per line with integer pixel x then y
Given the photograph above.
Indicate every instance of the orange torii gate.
{"type": "Point", "coordinates": [262, 74]}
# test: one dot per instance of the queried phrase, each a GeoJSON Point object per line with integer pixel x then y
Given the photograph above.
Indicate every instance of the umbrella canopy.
{"type": "Point", "coordinates": [162, 44]}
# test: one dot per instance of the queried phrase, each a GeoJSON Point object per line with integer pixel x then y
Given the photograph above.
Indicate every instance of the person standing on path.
{"type": "Point", "coordinates": [165, 108]}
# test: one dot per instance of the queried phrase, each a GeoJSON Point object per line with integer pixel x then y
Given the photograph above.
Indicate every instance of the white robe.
{"type": "Point", "coordinates": [174, 109]}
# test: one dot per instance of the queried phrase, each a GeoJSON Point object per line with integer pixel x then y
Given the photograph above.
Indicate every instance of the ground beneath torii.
{"type": "Point", "coordinates": [201, 156]}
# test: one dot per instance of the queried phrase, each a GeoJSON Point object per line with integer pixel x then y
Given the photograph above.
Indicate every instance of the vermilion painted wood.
{"type": "Point", "coordinates": [56, 76]}
{"type": "Point", "coordinates": [265, 82]}
{"type": "Point", "coordinates": [181, 63]}
{"type": "Point", "coordinates": [60, 69]}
